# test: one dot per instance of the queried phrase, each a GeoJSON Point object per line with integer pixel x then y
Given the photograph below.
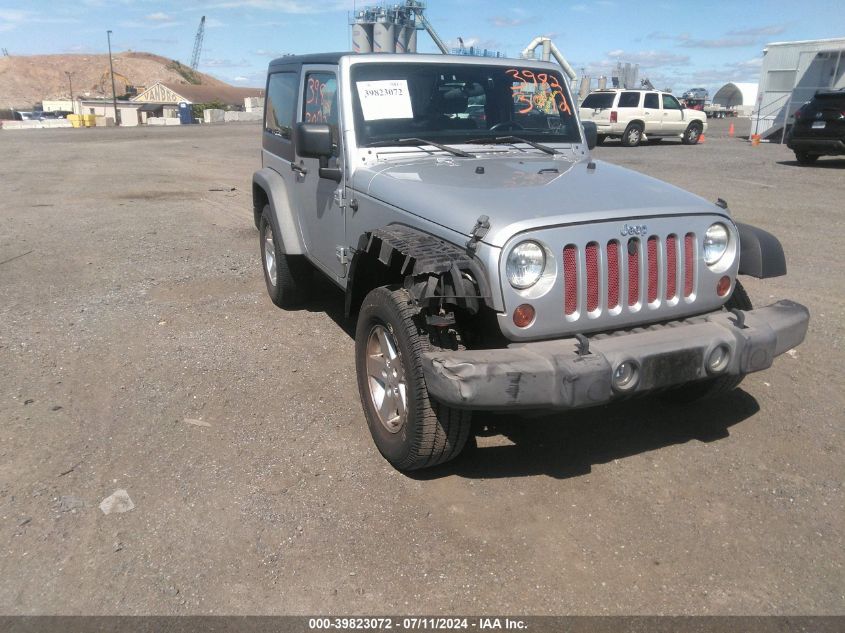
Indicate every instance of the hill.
{"type": "Point", "coordinates": [27, 80]}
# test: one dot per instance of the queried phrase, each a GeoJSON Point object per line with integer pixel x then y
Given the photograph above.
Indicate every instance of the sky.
{"type": "Point", "coordinates": [678, 44]}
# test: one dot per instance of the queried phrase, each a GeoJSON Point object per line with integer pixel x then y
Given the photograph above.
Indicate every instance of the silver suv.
{"type": "Point", "coordinates": [637, 115]}
{"type": "Point", "coordinates": [491, 263]}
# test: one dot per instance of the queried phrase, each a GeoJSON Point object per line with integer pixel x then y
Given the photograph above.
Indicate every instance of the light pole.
{"type": "Point", "coordinates": [70, 85]}
{"type": "Point", "coordinates": [113, 94]}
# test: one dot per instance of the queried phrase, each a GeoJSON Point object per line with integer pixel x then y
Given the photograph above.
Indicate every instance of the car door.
{"type": "Point", "coordinates": [321, 215]}
{"type": "Point", "coordinates": [651, 114]}
{"type": "Point", "coordinates": [673, 115]}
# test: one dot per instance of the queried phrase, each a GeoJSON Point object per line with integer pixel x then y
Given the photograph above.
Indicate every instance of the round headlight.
{"type": "Point", "coordinates": [525, 264]}
{"type": "Point", "coordinates": [715, 243]}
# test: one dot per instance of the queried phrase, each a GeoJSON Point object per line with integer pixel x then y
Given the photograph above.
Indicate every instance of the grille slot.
{"type": "Point", "coordinates": [592, 254]}
{"type": "Point", "coordinates": [689, 264]}
{"type": "Point", "coordinates": [633, 271]}
{"type": "Point", "coordinates": [627, 276]}
{"type": "Point", "coordinates": [570, 276]}
{"type": "Point", "coordinates": [671, 267]}
{"type": "Point", "coordinates": [612, 274]}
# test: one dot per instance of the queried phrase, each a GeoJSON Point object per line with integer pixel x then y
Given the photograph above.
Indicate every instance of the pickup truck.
{"type": "Point", "coordinates": [490, 262]}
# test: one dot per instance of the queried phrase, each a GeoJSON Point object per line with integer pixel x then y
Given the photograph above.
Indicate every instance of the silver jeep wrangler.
{"type": "Point", "coordinates": [492, 264]}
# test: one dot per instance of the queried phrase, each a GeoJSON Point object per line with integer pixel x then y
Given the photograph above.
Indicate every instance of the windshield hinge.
{"type": "Point", "coordinates": [482, 225]}
{"type": "Point", "coordinates": [339, 197]}
{"type": "Point", "coordinates": [342, 255]}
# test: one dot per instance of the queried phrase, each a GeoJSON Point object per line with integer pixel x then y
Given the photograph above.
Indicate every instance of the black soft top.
{"type": "Point", "coordinates": [315, 58]}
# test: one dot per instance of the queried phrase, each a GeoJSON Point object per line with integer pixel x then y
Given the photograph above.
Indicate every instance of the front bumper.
{"type": "Point", "coordinates": [552, 375]}
{"type": "Point", "coordinates": [819, 145]}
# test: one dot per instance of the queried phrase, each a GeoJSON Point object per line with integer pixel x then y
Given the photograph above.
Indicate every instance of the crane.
{"type": "Point", "coordinates": [195, 58]}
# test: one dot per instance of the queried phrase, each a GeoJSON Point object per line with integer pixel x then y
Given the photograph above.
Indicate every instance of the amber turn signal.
{"type": "Point", "coordinates": [523, 316]}
{"type": "Point", "coordinates": [723, 286]}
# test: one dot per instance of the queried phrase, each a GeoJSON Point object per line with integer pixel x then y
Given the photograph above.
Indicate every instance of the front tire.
{"type": "Point", "coordinates": [713, 387]}
{"type": "Point", "coordinates": [286, 276]}
{"type": "Point", "coordinates": [633, 135]}
{"type": "Point", "coordinates": [804, 158]}
{"type": "Point", "coordinates": [692, 134]}
{"type": "Point", "coordinates": [409, 429]}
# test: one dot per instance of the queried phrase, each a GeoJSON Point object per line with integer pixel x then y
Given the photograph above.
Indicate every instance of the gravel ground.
{"type": "Point", "coordinates": [139, 352]}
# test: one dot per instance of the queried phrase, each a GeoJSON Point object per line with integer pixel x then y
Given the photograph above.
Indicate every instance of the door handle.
{"type": "Point", "coordinates": [298, 168]}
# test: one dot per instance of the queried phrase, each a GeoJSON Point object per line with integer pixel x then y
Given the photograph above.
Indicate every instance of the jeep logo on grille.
{"type": "Point", "coordinates": [634, 229]}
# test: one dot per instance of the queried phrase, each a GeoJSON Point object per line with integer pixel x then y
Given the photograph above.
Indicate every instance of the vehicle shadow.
{"type": "Point", "coordinates": [821, 163]}
{"type": "Point", "coordinates": [564, 445]}
{"type": "Point", "coordinates": [569, 444]}
{"type": "Point", "coordinates": [324, 297]}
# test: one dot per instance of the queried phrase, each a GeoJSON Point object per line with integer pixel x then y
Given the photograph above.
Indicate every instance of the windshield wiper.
{"type": "Point", "coordinates": [515, 139]}
{"type": "Point", "coordinates": [421, 141]}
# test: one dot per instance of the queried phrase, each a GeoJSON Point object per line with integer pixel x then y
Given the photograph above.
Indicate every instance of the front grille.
{"type": "Point", "coordinates": [624, 275]}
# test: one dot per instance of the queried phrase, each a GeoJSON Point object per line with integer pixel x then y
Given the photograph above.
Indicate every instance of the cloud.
{"type": "Point", "coordinates": [649, 58]}
{"type": "Point", "coordinates": [722, 42]}
{"type": "Point", "coordinates": [224, 63]}
{"type": "Point", "coordinates": [159, 17]}
{"type": "Point", "coordinates": [737, 38]}
{"type": "Point", "coordinates": [476, 42]}
{"type": "Point", "coordinates": [149, 24]}
{"type": "Point", "coordinates": [760, 31]}
{"type": "Point", "coordinates": [11, 19]}
{"type": "Point", "coordinates": [505, 21]}
{"type": "Point", "coordinates": [287, 6]}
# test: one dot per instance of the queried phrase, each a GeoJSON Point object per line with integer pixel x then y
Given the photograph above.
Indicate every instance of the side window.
{"type": "Point", "coordinates": [629, 100]}
{"type": "Point", "coordinates": [670, 103]}
{"type": "Point", "coordinates": [281, 104]}
{"type": "Point", "coordinates": [651, 101]}
{"type": "Point", "coordinates": [320, 101]}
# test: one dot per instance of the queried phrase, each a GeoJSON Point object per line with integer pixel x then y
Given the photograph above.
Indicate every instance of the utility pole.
{"type": "Point", "coordinates": [113, 93]}
{"type": "Point", "coordinates": [70, 85]}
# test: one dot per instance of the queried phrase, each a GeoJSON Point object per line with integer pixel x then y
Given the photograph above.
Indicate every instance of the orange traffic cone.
{"type": "Point", "coordinates": [731, 130]}
{"type": "Point", "coordinates": [701, 138]}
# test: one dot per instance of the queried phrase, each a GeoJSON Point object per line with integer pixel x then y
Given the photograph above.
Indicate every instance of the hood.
{"type": "Point", "coordinates": [520, 192]}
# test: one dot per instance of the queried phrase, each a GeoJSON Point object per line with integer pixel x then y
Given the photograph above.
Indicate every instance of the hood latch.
{"type": "Point", "coordinates": [482, 225]}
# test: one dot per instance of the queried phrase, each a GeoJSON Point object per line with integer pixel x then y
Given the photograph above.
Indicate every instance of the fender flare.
{"type": "Point", "coordinates": [285, 222]}
{"type": "Point", "coordinates": [433, 270]}
{"type": "Point", "coordinates": [760, 253]}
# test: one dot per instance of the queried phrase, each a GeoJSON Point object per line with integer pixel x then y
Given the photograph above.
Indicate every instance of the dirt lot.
{"type": "Point", "coordinates": [132, 301]}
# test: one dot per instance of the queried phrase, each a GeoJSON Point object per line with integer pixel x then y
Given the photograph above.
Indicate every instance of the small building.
{"type": "Point", "coordinates": [792, 72]}
{"type": "Point", "coordinates": [162, 99]}
{"type": "Point", "coordinates": [57, 105]}
{"type": "Point", "coordinates": [740, 97]}
{"type": "Point", "coordinates": [128, 111]}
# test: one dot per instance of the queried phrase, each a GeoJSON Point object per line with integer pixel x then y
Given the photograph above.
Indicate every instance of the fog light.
{"type": "Point", "coordinates": [718, 360]}
{"type": "Point", "coordinates": [523, 316]}
{"type": "Point", "coordinates": [723, 286]}
{"type": "Point", "coordinates": [625, 375]}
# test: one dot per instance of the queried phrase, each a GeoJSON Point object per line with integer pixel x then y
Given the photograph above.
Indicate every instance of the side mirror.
{"type": "Point", "coordinates": [591, 133]}
{"type": "Point", "coordinates": [314, 140]}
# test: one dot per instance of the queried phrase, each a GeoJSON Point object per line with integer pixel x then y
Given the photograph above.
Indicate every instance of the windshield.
{"type": "Point", "coordinates": [455, 103]}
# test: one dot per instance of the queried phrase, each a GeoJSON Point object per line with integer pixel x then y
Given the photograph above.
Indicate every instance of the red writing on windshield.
{"type": "Point", "coordinates": [540, 91]}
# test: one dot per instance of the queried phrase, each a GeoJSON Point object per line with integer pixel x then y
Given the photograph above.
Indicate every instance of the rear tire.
{"type": "Point", "coordinates": [286, 276]}
{"type": "Point", "coordinates": [409, 429]}
{"type": "Point", "coordinates": [712, 387]}
{"type": "Point", "coordinates": [804, 158]}
{"type": "Point", "coordinates": [633, 135]}
{"type": "Point", "coordinates": [692, 134]}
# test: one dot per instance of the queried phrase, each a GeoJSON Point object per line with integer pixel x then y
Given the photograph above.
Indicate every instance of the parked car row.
{"type": "Point", "coordinates": [38, 115]}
